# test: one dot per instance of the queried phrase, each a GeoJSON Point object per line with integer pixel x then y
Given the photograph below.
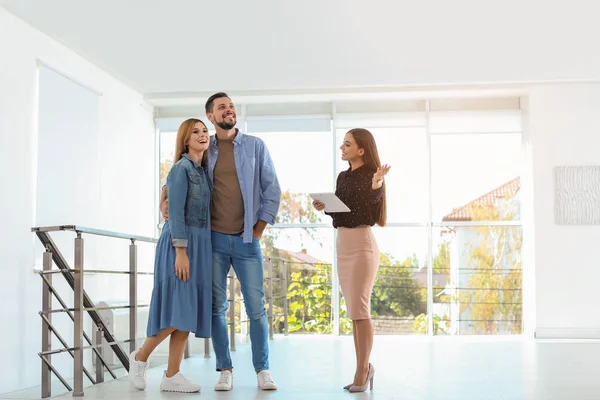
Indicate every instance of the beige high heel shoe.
{"type": "Point", "coordinates": [348, 386]}
{"type": "Point", "coordinates": [368, 383]}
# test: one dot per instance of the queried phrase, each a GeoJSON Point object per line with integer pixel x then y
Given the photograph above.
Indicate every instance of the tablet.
{"type": "Point", "coordinates": [333, 204]}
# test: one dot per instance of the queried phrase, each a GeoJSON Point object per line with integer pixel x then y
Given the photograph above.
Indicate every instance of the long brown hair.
{"type": "Point", "coordinates": [183, 136]}
{"type": "Point", "coordinates": [365, 140]}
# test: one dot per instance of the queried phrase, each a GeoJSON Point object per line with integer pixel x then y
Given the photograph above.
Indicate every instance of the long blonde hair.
{"type": "Point", "coordinates": [183, 136]}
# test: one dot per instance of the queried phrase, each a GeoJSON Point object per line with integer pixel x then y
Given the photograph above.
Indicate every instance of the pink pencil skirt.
{"type": "Point", "coordinates": [358, 262]}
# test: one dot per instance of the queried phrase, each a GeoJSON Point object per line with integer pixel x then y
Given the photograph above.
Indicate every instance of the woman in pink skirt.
{"type": "Point", "coordinates": [362, 189]}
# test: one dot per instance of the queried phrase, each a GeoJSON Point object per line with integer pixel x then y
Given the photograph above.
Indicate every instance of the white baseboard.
{"type": "Point", "coordinates": [567, 333]}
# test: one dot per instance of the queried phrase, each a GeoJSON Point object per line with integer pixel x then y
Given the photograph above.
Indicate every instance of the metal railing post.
{"type": "Point", "coordinates": [78, 322]}
{"type": "Point", "coordinates": [285, 299]}
{"type": "Point", "coordinates": [132, 296]}
{"type": "Point", "coordinates": [206, 348]}
{"type": "Point", "coordinates": [98, 335]}
{"type": "Point", "coordinates": [46, 329]}
{"type": "Point", "coordinates": [270, 312]}
{"type": "Point", "coordinates": [232, 310]}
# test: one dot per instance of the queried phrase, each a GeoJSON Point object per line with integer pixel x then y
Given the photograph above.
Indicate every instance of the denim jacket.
{"type": "Point", "coordinates": [188, 191]}
{"type": "Point", "coordinates": [258, 181]}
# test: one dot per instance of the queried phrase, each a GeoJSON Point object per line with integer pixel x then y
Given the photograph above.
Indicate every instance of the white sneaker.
{"type": "Point", "coordinates": [137, 372]}
{"type": "Point", "coordinates": [265, 381]}
{"type": "Point", "coordinates": [178, 383]}
{"type": "Point", "coordinates": [225, 381]}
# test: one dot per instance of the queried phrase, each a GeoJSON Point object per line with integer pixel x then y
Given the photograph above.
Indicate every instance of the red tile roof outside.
{"type": "Point", "coordinates": [465, 213]}
{"type": "Point", "coordinates": [300, 259]}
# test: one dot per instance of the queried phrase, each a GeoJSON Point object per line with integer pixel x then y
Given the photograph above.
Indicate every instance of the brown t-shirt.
{"type": "Point", "coordinates": [227, 210]}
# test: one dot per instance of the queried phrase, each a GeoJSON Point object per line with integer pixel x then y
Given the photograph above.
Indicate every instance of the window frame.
{"type": "Point", "coordinates": [419, 107]}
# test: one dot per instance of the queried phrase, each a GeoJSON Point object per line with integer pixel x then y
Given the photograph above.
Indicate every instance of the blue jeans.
{"type": "Point", "coordinates": [246, 259]}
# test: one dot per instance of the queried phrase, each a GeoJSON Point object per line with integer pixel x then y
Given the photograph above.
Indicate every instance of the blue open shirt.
{"type": "Point", "coordinates": [258, 181]}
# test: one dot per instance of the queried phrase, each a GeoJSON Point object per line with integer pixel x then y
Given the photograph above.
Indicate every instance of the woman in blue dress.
{"type": "Point", "coordinates": [182, 295]}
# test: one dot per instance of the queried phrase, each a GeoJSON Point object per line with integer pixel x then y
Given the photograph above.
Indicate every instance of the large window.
{"type": "Point", "coordinates": [475, 167]}
{"type": "Point", "coordinates": [450, 260]}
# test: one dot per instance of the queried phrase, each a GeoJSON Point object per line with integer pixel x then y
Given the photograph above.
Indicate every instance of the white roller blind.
{"type": "Point", "coordinates": [381, 120]}
{"type": "Point", "coordinates": [493, 121]}
{"type": "Point", "coordinates": [67, 181]}
{"type": "Point", "coordinates": [291, 124]}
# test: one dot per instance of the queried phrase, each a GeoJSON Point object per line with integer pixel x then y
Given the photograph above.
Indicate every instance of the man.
{"type": "Point", "coordinates": [246, 196]}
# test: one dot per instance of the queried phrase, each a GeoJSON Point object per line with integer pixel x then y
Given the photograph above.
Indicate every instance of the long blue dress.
{"type": "Point", "coordinates": [186, 306]}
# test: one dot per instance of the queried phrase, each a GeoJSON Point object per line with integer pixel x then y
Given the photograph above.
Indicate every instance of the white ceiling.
{"type": "Point", "coordinates": [189, 46]}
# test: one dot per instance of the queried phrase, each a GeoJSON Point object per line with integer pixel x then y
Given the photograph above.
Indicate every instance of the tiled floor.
{"type": "Point", "coordinates": [406, 368]}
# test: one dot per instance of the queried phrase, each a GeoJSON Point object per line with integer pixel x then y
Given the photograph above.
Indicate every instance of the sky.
{"type": "Point", "coordinates": [464, 166]}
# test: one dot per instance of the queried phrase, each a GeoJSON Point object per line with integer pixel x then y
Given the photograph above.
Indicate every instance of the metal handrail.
{"type": "Point", "coordinates": [59, 310]}
{"type": "Point", "coordinates": [91, 231]}
{"type": "Point", "coordinates": [94, 271]}
{"type": "Point", "coordinates": [82, 304]}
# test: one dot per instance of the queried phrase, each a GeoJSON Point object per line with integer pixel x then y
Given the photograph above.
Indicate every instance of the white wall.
{"type": "Point", "coordinates": [125, 172]}
{"type": "Point", "coordinates": [564, 129]}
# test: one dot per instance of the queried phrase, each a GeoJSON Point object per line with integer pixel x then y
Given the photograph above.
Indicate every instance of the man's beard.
{"type": "Point", "coordinates": [226, 125]}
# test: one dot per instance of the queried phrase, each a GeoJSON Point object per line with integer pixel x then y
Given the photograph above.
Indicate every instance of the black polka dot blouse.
{"type": "Point", "coordinates": [354, 188]}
